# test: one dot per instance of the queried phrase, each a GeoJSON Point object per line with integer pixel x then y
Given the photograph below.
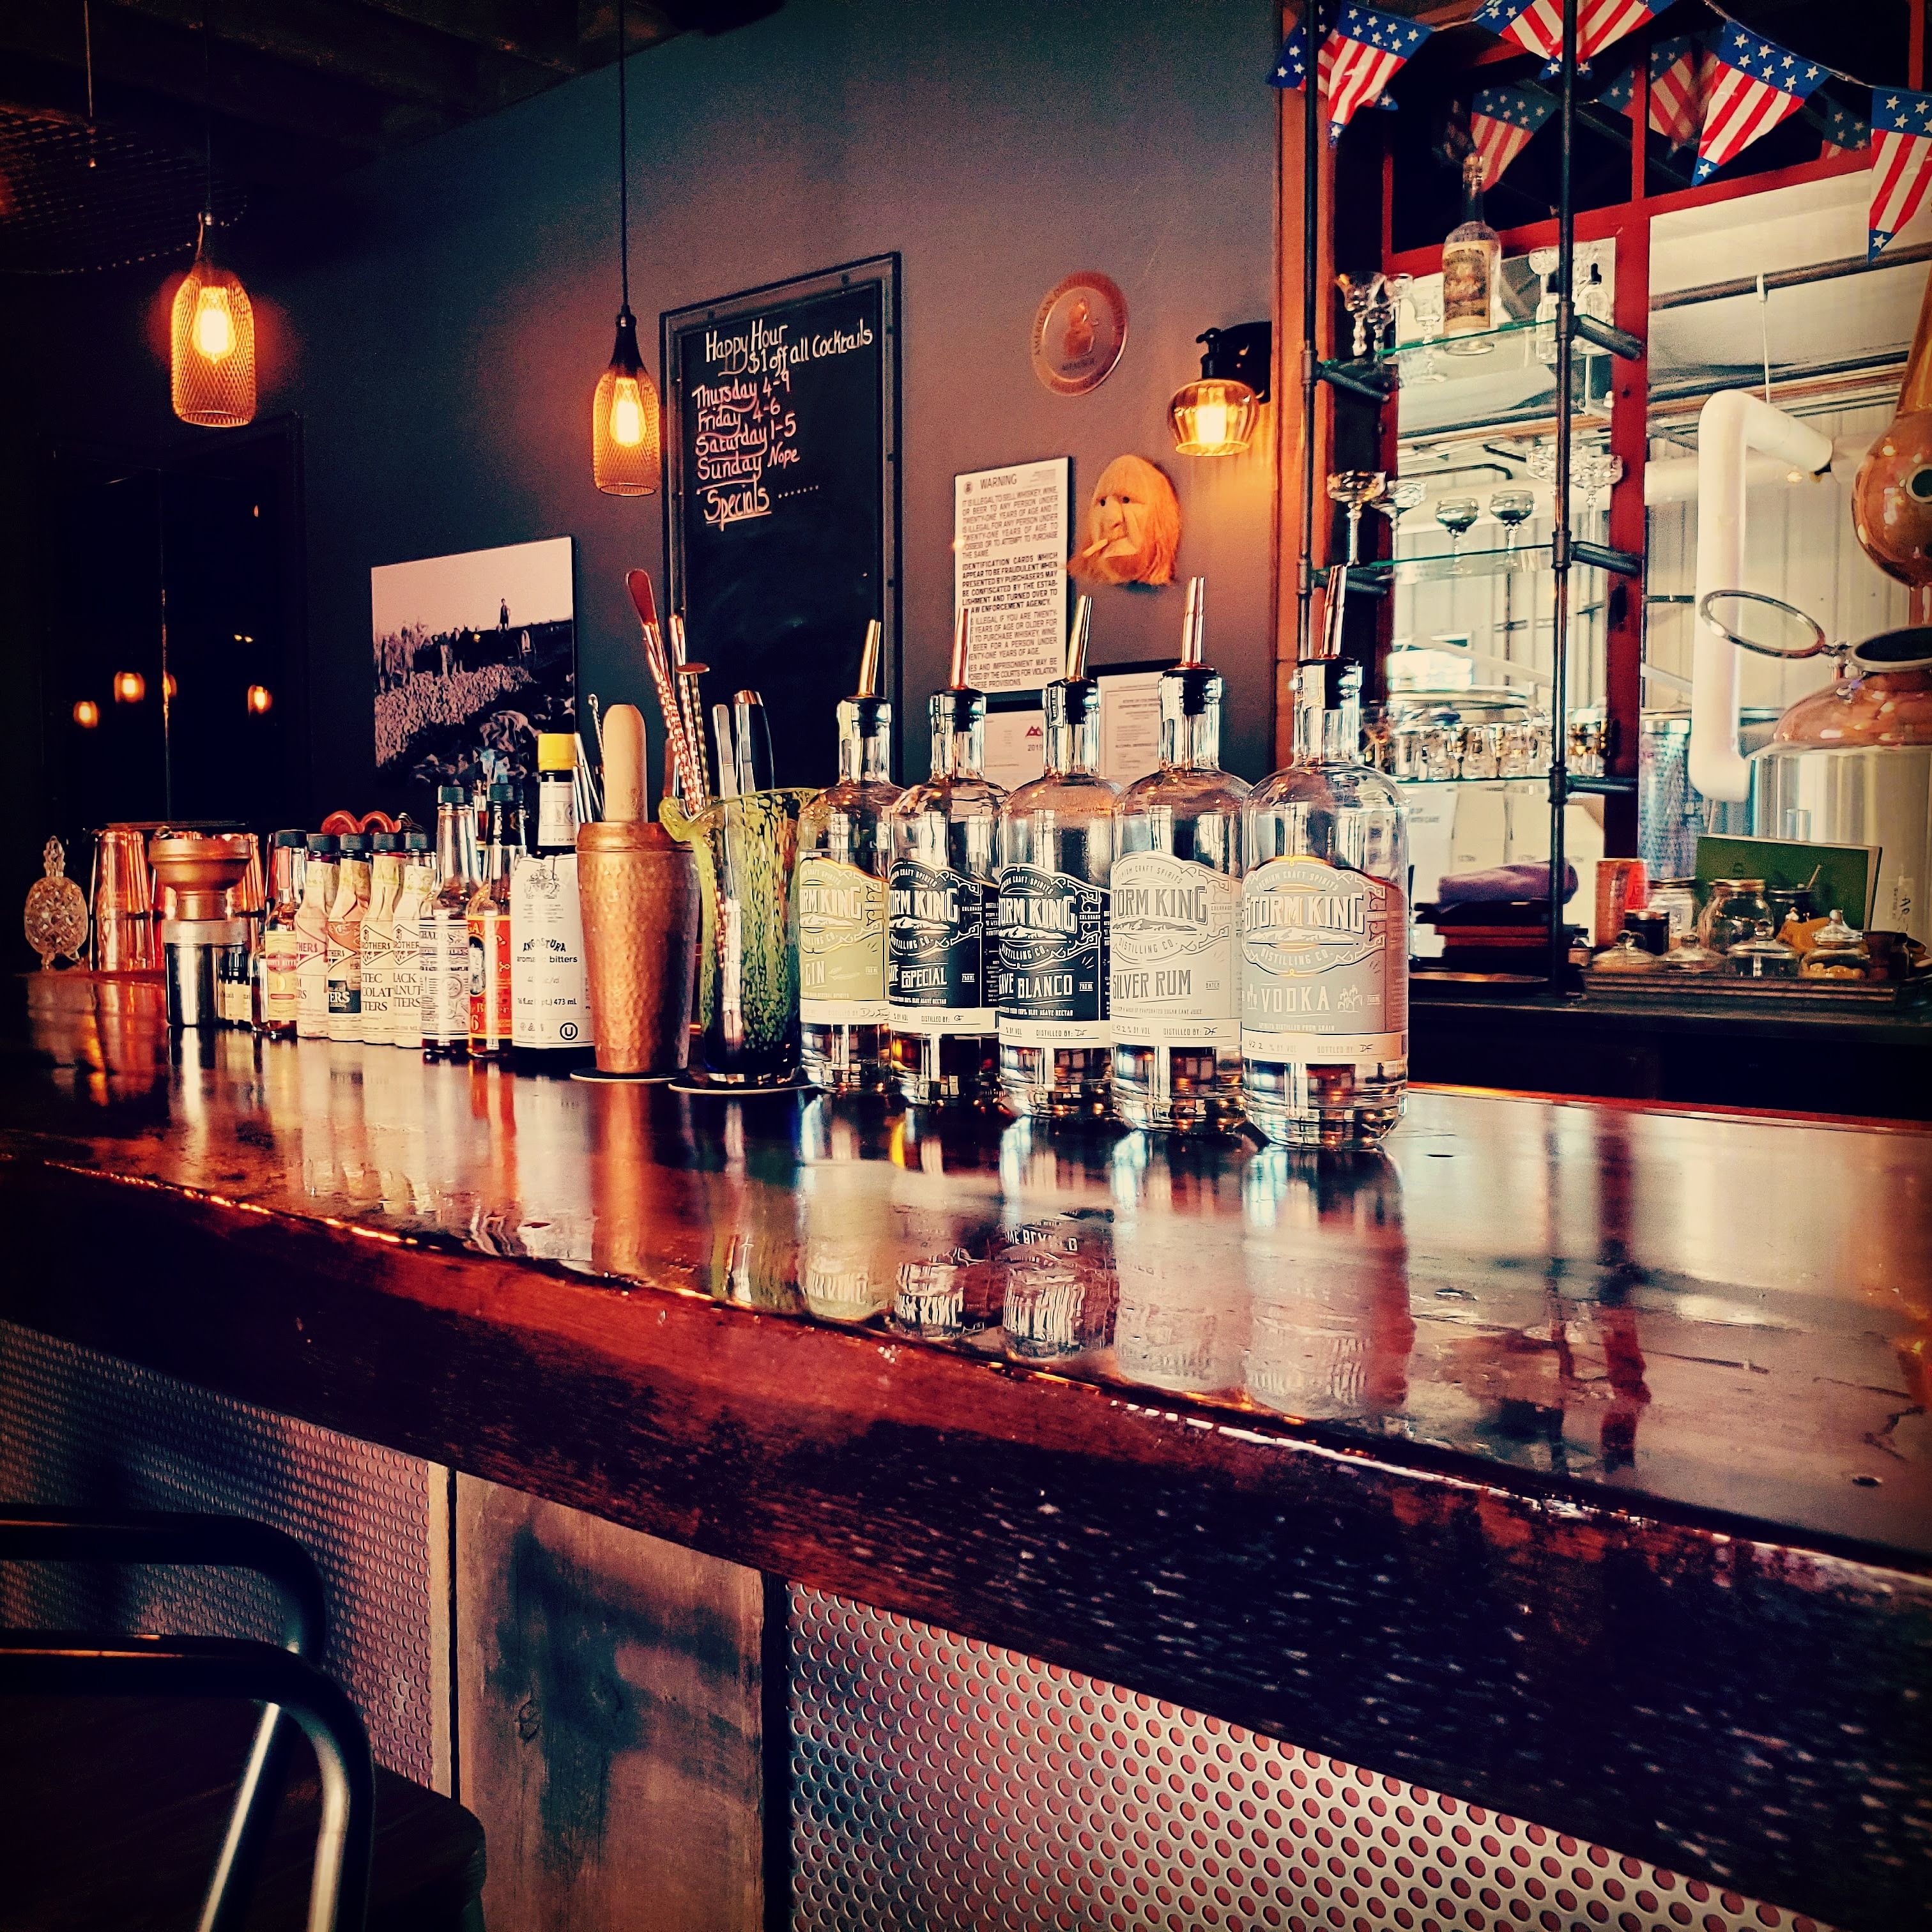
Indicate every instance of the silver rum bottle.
{"type": "Point", "coordinates": [941, 895]}
{"type": "Point", "coordinates": [844, 850]}
{"type": "Point", "coordinates": [1056, 861]}
{"type": "Point", "coordinates": [1324, 931]}
{"type": "Point", "coordinates": [1176, 905]}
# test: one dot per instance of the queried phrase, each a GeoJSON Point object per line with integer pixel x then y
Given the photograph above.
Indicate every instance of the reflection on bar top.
{"type": "Point", "coordinates": [1729, 1313]}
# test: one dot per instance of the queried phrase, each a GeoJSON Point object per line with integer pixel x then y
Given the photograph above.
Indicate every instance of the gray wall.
{"type": "Point", "coordinates": [439, 324]}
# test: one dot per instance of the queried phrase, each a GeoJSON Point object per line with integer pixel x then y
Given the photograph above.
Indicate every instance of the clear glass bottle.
{"type": "Point", "coordinates": [419, 888]}
{"type": "Point", "coordinates": [1056, 860]}
{"type": "Point", "coordinates": [288, 866]}
{"type": "Point", "coordinates": [319, 882]}
{"type": "Point", "coordinates": [491, 1018]}
{"type": "Point", "coordinates": [1472, 255]}
{"type": "Point", "coordinates": [941, 955]}
{"type": "Point", "coordinates": [550, 1007]}
{"type": "Point", "coordinates": [1324, 931]}
{"type": "Point", "coordinates": [346, 914]}
{"type": "Point", "coordinates": [844, 849]}
{"type": "Point", "coordinates": [379, 936]}
{"type": "Point", "coordinates": [1176, 990]}
{"type": "Point", "coordinates": [444, 961]}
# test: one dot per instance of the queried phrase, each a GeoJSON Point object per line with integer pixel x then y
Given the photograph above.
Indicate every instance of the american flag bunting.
{"type": "Point", "coordinates": [1502, 120]}
{"type": "Point", "coordinates": [1845, 133]}
{"type": "Point", "coordinates": [1676, 95]}
{"type": "Point", "coordinates": [1536, 26]}
{"type": "Point", "coordinates": [1756, 85]}
{"type": "Point", "coordinates": [1364, 52]}
{"type": "Point", "coordinates": [1901, 161]}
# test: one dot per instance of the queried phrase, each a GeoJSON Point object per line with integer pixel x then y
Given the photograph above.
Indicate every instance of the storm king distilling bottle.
{"type": "Point", "coordinates": [444, 955]}
{"type": "Point", "coordinates": [1324, 931]}
{"type": "Point", "coordinates": [941, 948]}
{"type": "Point", "coordinates": [1472, 254]}
{"type": "Point", "coordinates": [319, 883]}
{"type": "Point", "coordinates": [1056, 858]}
{"type": "Point", "coordinates": [550, 1009]}
{"type": "Point", "coordinates": [1175, 996]}
{"type": "Point", "coordinates": [490, 1020]}
{"type": "Point", "coordinates": [844, 849]}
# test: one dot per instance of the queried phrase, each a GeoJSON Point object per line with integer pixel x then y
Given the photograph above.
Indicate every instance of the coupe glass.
{"type": "Point", "coordinates": [1402, 495]}
{"type": "Point", "coordinates": [1457, 515]}
{"type": "Point", "coordinates": [1425, 304]}
{"type": "Point", "coordinates": [1354, 487]}
{"type": "Point", "coordinates": [1511, 508]}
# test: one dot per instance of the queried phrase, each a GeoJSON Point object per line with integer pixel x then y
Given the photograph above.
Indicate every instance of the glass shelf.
{"type": "Point", "coordinates": [1456, 346]}
{"type": "Point", "coordinates": [1526, 559]}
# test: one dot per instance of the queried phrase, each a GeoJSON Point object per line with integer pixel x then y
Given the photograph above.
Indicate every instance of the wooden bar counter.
{"type": "Point", "coordinates": [1570, 1457]}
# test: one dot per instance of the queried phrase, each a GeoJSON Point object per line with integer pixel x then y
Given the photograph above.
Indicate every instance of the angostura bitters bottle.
{"type": "Point", "coordinates": [839, 902]}
{"type": "Point", "coordinates": [1177, 908]}
{"type": "Point", "coordinates": [942, 954]}
{"type": "Point", "coordinates": [444, 974]}
{"type": "Point", "coordinates": [1324, 931]}
{"type": "Point", "coordinates": [492, 1019]}
{"type": "Point", "coordinates": [1056, 858]}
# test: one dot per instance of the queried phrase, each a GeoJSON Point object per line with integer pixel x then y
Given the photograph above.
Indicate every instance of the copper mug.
{"type": "Point", "coordinates": [638, 890]}
{"type": "Point", "coordinates": [124, 938]}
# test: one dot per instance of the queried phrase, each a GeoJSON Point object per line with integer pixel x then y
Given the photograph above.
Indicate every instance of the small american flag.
{"type": "Point", "coordinates": [1755, 85]}
{"type": "Point", "coordinates": [1536, 26]}
{"type": "Point", "coordinates": [1901, 162]}
{"type": "Point", "coordinates": [1363, 53]}
{"type": "Point", "coordinates": [1845, 133]}
{"type": "Point", "coordinates": [1502, 120]}
{"type": "Point", "coordinates": [1676, 97]}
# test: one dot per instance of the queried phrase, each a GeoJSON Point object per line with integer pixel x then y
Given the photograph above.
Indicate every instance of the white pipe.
{"type": "Point", "coordinates": [1673, 479]}
{"type": "Point", "coordinates": [1732, 420]}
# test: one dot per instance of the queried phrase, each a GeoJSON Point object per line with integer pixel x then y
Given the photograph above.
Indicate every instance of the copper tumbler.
{"type": "Point", "coordinates": [638, 888]}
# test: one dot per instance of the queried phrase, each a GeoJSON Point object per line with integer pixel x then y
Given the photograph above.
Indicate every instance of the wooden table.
{"type": "Point", "coordinates": [1569, 1457]}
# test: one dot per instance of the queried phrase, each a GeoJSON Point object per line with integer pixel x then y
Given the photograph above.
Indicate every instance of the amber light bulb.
{"type": "Point", "coordinates": [86, 713]}
{"type": "Point", "coordinates": [1213, 418]}
{"type": "Point", "coordinates": [212, 359]}
{"type": "Point", "coordinates": [624, 434]}
{"type": "Point", "coordinates": [260, 699]}
{"type": "Point", "coordinates": [130, 687]}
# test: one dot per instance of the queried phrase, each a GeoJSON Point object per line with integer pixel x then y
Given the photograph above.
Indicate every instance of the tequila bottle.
{"type": "Point", "coordinates": [1056, 858]}
{"type": "Point", "coordinates": [1324, 931]}
{"type": "Point", "coordinates": [1176, 980]}
{"type": "Point", "coordinates": [550, 1008]}
{"type": "Point", "coordinates": [1472, 256]}
{"type": "Point", "coordinates": [941, 960]}
{"type": "Point", "coordinates": [844, 850]}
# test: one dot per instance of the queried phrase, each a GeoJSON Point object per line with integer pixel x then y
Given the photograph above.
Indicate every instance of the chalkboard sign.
{"type": "Point", "coordinates": [781, 415]}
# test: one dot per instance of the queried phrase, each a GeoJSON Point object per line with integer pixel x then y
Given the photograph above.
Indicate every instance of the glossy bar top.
{"type": "Point", "coordinates": [1661, 1309]}
{"type": "Point", "coordinates": [1569, 1457]}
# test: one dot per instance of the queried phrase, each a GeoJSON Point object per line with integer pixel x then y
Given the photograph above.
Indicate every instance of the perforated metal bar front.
{"type": "Point", "coordinates": [941, 1782]}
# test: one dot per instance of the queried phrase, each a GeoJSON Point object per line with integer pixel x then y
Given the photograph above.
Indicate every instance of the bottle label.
{"type": "Point", "coordinates": [1052, 977]}
{"type": "Point", "coordinates": [1324, 965]}
{"type": "Point", "coordinates": [378, 972]}
{"type": "Point", "coordinates": [345, 968]}
{"type": "Point", "coordinates": [557, 824]}
{"type": "Point", "coordinates": [940, 978]}
{"type": "Point", "coordinates": [1176, 976]}
{"type": "Point", "coordinates": [491, 1016]}
{"type": "Point", "coordinates": [311, 970]}
{"type": "Point", "coordinates": [842, 944]}
{"type": "Point", "coordinates": [1469, 271]}
{"type": "Point", "coordinates": [445, 978]}
{"type": "Point", "coordinates": [280, 951]}
{"type": "Point", "coordinates": [548, 1005]}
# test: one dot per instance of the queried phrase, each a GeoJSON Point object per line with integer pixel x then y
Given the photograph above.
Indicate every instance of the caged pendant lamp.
{"type": "Point", "coordinates": [625, 459]}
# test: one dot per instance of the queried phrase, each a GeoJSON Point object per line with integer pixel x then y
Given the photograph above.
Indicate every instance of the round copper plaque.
{"type": "Point", "coordinates": [1078, 333]}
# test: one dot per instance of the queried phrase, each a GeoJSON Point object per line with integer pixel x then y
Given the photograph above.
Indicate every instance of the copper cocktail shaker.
{"type": "Point", "coordinates": [638, 888]}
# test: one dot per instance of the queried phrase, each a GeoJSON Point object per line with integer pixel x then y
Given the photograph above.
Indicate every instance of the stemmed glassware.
{"type": "Point", "coordinates": [1361, 293]}
{"type": "Point", "coordinates": [1382, 311]}
{"type": "Point", "coordinates": [1424, 298]}
{"type": "Point", "coordinates": [1401, 495]}
{"type": "Point", "coordinates": [1457, 515]}
{"type": "Point", "coordinates": [1511, 508]}
{"type": "Point", "coordinates": [1355, 488]}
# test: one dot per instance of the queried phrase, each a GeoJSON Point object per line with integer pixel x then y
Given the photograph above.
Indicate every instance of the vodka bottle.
{"type": "Point", "coordinates": [550, 1008]}
{"type": "Point", "coordinates": [319, 883]}
{"type": "Point", "coordinates": [379, 935]}
{"type": "Point", "coordinates": [444, 967]}
{"type": "Point", "coordinates": [1324, 931]}
{"type": "Point", "coordinates": [1056, 856]}
{"type": "Point", "coordinates": [489, 932]}
{"type": "Point", "coordinates": [940, 944]}
{"type": "Point", "coordinates": [1176, 979]}
{"type": "Point", "coordinates": [419, 888]}
{"type": "Point", "coordinates": [839, 901]}
{"type": "Point", "coordinates": [1472, 262]}
{"type": "Point", "coordinates": [288, 863]}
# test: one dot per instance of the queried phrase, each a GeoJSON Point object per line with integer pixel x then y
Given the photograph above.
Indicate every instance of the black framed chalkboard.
{"type": "Point", "coordinates": [782, 509]}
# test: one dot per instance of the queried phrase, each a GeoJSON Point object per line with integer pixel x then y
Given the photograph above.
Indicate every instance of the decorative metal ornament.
{"type": "Point", "coordinates": [56, 919]}
{"type": "Point", "coordinates": [1078, 333]}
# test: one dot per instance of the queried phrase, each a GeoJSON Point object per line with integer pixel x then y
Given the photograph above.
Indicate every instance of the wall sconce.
{"type": "Point", "coordinates": [86, 713]}
{"type": "Point", "coordinates": [130, 687]}
{"type": "Point", "coordinates": [1216, 416]}
{"type": "Point", "coordinates": [260, 699]}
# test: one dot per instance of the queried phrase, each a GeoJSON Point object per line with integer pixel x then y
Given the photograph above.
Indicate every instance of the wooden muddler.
{"type": "Point", "coordinates": [638, 887]}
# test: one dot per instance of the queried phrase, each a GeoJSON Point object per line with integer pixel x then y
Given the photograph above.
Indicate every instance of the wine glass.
{"type": "Point", "coordinates": [1361, 293]}
{"type": "Point", "coordinates": [1457, 515]}
{"type": "Point", "coordinates": [1510, 508]}
{"type": "Point", "coordinates": [1425, 304]}
{"type": "Point", "coordinates": [1354, 487]}
{"type": "Point", "coordinates": [1401, 495]}
{"type": "Point", "coordinates": [1381, 316]}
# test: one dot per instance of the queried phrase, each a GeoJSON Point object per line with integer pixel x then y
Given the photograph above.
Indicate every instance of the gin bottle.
{"type": "Point", "coordinates": [1324, 931]}
{"type": "Point", "coordinates": [941, 956]}
{"type": "Point", "coordinates": [1056, 857]}
{"type": "Point", "coordinates": [844, 850]}
{"type": "Point", "coordinates": [1176, 982]}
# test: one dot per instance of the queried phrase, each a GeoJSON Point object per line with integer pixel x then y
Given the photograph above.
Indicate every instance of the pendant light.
{"type": "Point", "coordinates": [624, 433]}
{"type": "Point", "coordinates": [211, 347]}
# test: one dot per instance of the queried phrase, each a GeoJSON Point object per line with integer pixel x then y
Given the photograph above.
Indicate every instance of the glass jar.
{"type": "Point", "coordinates": [1838, 952]}
{"type": "Point", "coordinates": [1678, 898]}
{"type": "Point", "coordinates": [1763, 956]}
{"type": "Point", "coordinates": [1692, 955]}
{"type": "Point", "coordinates": [1626, 953]}
{"type": "Point", "coordinates": [1736, 910]}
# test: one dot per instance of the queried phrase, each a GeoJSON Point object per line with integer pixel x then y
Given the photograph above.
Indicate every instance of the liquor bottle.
{"type": "Point", "coordinates": [1056, 855]}
{"type": "Point", "coordinates": [1175, 996]}
{"type": "Point", "coordinates": [444, 966]}
{"type": "Point", "coordinates": [419, 888]}
{"type": "Point", "coordinates": [379, 936]}
{"type": "Point", "coordinates": [549, 1009]}
{"type": "Point", "coordinates": [1472, 262]}
{"type": "Point", "coordinates": [839, 901]}
{"type": "Point", "coordinates": [1324, 931]}
{"type": "Point", "coordinates": [941, 961]}
{"type": "Point", "coordinates": [345, 938]}
{"type": "Point", "coordinates": [288, 865]}
{"type": "Point", "coordinates": [312, 935]}
{"type": "Point", "coordinates": [489, 925]}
